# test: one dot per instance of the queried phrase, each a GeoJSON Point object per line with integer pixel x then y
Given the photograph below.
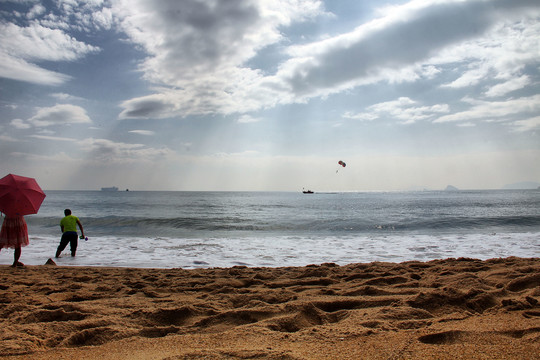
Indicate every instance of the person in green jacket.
{"type": "Point", "coordinates": [69, 233]}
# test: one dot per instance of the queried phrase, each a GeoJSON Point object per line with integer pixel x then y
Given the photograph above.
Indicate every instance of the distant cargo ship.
{"type": "Point", "coordinates": [112, 188]}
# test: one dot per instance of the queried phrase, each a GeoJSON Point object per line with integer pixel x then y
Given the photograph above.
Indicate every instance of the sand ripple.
{"type": "Point", "coordinates": [312, 312]}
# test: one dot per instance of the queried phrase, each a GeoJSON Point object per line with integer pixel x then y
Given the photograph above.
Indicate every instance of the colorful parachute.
{"type": "Point", "coordinates": [342, 163]}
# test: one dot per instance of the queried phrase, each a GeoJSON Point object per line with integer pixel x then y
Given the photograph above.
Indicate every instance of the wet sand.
{"type": "Point", "coordinates": [444, 309]}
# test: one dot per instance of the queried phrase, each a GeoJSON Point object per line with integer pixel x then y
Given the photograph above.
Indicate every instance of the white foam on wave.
{"type": "Point", "coordinates": [144, 252]}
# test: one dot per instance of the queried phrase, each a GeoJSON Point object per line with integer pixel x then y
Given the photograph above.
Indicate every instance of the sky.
{"type": "Point", "coordinates": [260, 95]}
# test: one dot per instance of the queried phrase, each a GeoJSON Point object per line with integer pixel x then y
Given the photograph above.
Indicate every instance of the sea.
{"type": "Point", "coordinates": [153, 229]}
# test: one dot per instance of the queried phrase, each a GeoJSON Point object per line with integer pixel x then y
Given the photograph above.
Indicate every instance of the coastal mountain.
{"type": "Point", "coordinates": [451, 188]}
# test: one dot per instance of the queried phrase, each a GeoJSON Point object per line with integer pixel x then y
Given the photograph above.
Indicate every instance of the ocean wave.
{"type": "Point", "coordinates": [255, 250]}
{"type": "Point", "coordinates": [210, 224]}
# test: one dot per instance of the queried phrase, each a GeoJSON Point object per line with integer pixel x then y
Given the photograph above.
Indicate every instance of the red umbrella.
{"type": "Point", "coordinates": [20, 195]}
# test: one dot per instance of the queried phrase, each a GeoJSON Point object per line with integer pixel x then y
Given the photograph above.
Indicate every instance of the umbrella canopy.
{"type": "Point", "coordinates": [20, 195]}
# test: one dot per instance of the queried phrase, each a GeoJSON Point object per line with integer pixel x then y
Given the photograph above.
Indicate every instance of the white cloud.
{"type": "Point", "coordinates": [36, 42]}
{"type": "Point", "coordinates": [53, 138]}
{"type": "Point", "coordinates": [404, 109]}
{"type": "Point", "coordinates": [403, 37]}
{"type": "Point", "coordinates": [103, 18]}
{"type": "Point", "coordinates": [36, 10]}
{"type": "Point", "coordinates": [8, 138]}
{"type": "Point", "coordinates": [508, 86]}
{"type": "Point", "coordinates": [360, 116]}
{"type": "Point", "coordinates": [470, 77]}
{"type": "Point", "coordinates": [103, 150]}
{"type": "Point", "coordinates": [20, 124]}
{"type": "Point", "coordinates": [501, 54]}
{"type": "Point", "coordinates": [198, 51]}
{"type": "Point", "coordinates": [60, 114]}
{"type": "Point", "coordinates": [527, 124]}
{"type": "Point", "coordinates": [143, 132]}
{"type": "Point", "coordinates": [85, 15]}
{"type": "Point", "coordinates": [494, 110]}
{"type": "Point", "coordinates": [21, 47]}
{"type": "Point", "coordinates": [159, 105]}
{"type": "Point", "coordinates": [19, 69]}
{"type": "Point", "coordinates": [66, 97]}
{"type": "Point", "coordinates": [201, 48]}
{"type": "Point", "coordinates": [53, 21]}
{"type": "Point", "coordinates": [44, 131]}
{"type": "Point", "coordinates": [44, 161]}
{"type": "Point", "coordinates": [246, 119]}
{"type": "Point", "coordinates": [45, 37]}
{"type": "Point", "coordinates": [190, 38]}
{"type": "Point", "coordinates": [466, 124]}
{"type": "Point", "coordinates": [241, 155]}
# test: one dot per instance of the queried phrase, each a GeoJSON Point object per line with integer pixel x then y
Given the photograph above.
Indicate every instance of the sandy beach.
{"type": "Point", "coordinates": [444, 309]}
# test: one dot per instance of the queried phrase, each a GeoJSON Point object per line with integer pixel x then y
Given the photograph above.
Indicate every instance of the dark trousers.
{"type": "Point", "coordinates": [70, 237]}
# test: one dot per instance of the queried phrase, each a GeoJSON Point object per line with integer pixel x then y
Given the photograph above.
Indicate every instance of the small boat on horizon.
{"type": "Point", "coordinates": [307, 191]}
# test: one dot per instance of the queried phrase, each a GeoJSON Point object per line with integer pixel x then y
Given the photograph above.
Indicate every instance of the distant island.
{"type": "Point", "coordinates": [112, 188]}
{"type": "Point", "coordinates": [524, 185]}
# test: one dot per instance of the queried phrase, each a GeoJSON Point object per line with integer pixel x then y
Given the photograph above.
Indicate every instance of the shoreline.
{"type": "Point", "coordinates": [379, 310]}
{"type": "Point", "coordinates": [276, 251]}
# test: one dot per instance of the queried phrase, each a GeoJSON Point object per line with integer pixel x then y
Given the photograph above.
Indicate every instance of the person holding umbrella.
{"type": "Point", "coordinates": [19, 196]}
{"type": "Point", "coordinates": [14, 234]}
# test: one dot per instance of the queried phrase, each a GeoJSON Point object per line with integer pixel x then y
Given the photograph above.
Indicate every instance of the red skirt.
{"type": "Point", "coordinates": [14, 233]}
